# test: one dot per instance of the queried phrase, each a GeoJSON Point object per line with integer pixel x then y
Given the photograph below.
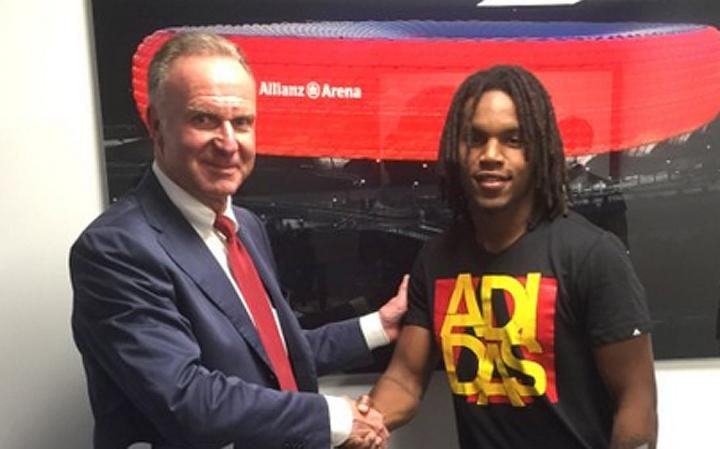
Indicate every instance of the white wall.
{"type": "Point", "coordinates": [689, 392]}
{"type": "Point", "coordinates": [49, 190]}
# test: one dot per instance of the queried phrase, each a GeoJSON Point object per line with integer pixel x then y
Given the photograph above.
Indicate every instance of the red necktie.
{"type": "Point", "coordinates": [258, 303]}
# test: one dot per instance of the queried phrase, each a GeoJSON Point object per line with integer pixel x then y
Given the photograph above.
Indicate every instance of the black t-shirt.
{"type": "Point", "coordinates": [517, 329]}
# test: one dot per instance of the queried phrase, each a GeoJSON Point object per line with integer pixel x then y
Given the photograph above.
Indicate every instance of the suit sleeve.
{"type": "Point", "coordinates": [338, 346]}
{"type": "Point", "coordinates": [125, 318]}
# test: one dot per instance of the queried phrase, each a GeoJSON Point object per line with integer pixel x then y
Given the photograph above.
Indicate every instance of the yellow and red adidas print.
{"type": "Point", "coordinates": [465, 319]}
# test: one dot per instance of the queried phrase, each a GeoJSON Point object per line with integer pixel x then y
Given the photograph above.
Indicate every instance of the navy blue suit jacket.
{"type": "Point", "coordinates": [170, 354]}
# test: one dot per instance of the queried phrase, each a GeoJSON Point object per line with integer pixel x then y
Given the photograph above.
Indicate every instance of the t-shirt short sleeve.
{"type": "Point", "coordinates": [615, 306]}
{"type": "Point", "coordinates": [419, 307]}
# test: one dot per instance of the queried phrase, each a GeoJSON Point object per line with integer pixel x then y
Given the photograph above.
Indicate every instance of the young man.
{"type": "Point", "coordinates": [538, 316]}
{"type": "Point", "coordinates": [186, 339]}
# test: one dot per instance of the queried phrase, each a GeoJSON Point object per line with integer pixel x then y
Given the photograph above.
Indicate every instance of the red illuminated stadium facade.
{"type": "Point", "coordinates": [380, 90]}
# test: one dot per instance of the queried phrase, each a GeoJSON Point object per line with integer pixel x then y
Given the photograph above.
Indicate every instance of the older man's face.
{"type": "Point", "coordinates": [203, 127]}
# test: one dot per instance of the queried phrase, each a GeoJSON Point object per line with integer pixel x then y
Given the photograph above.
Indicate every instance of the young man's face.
{"type": "Point", "coordinates": [493, 167]}
{"type": "Point", "coordinates": [204, 127]}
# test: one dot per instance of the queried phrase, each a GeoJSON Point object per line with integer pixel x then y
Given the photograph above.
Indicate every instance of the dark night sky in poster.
{"type": "Point", "coordinates": [358, 225]}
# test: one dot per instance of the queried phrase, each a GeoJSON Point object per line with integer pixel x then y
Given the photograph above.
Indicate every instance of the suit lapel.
{"type": "Point", "coordinates": [190, 253]}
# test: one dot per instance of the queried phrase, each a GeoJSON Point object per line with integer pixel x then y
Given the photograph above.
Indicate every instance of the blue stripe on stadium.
{"type": "Point", "coordinates": [453, 30]}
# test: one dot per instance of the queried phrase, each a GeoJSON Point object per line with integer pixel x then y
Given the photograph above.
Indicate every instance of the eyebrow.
{"type": "Point", "coordinates": [508, 130]}
{"type": "Point", "coordinates": [200, 110]}
{"type": "Point", "coordinates": [210, 111]}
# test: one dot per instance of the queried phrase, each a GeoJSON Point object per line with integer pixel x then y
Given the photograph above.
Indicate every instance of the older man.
{"type": "Point", "coordinates": [186, 339]}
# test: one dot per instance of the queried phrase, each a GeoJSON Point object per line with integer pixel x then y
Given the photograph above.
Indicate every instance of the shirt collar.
{"type": "Point", "coordinates": [198, 214]}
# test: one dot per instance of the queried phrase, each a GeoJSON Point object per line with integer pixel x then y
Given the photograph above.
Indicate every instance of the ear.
{"type": "Point", "coordinates": [153, 124]}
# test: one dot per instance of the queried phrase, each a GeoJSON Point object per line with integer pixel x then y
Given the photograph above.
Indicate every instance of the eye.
{"type": "Point", "coordinates": [513, 140]}
{"type": "Point", "coordinates": [477, 138]}
{"type": "Point", "coordinates": [243, 123]}
{"type": "Point", "coordinates": [204, 121]}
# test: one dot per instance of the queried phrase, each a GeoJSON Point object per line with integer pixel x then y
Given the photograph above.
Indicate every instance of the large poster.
{"type": "Point", "coordinates": [345, 181]}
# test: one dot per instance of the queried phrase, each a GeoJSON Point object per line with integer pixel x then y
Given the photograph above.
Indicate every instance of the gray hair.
{"type": "Point", "coordinates": [192, 43]}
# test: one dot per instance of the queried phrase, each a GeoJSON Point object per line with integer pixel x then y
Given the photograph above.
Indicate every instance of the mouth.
{"type": "Point", "coordinates": [222, 168]}
{"type": "Point", "coordinates": [492, 181]}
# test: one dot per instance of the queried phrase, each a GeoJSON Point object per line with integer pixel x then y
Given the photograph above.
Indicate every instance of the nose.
{"type": "Point", "coordinates": [491, 152]}
{"type": "Point", "coordinates": [225, 138]}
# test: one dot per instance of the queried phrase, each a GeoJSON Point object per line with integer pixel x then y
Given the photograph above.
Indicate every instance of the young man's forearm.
{"type": "Point", "coordinates": [396, 399]}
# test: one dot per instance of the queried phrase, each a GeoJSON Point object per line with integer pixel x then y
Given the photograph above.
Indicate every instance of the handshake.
{"type": "Point", "coordinates": [368, 428]}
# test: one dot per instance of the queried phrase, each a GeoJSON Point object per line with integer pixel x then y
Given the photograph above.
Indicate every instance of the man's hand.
{"type": "Point", "coordinates": [364, 403]}
{"type": "Point", "coordinates": [392, 312]}
{"type": "Point", "coordinates": [368, 429]}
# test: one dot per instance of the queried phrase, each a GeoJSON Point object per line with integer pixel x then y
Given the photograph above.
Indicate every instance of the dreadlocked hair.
{"type": "Point", "coordinates": [538, 133]}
